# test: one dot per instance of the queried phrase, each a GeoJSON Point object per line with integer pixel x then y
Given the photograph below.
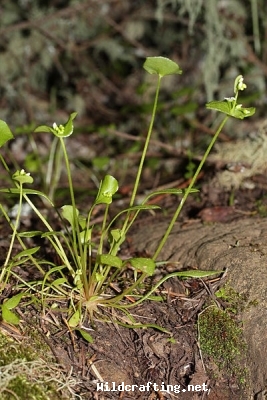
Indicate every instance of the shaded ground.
{"type": "Point", "coordinates": [183, 129]}
{"type": "Point", "coordinates": [136, 356]}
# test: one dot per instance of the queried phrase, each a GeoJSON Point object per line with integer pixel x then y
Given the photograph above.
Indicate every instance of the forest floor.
{"type": "Point", "coordinates": [134, 356]}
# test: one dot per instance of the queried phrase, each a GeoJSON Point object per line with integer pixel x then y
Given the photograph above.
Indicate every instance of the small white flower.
{"type": "Point", "coordinates": [22, 172]}
{"type": "Point", "coordinates": [241, 85]}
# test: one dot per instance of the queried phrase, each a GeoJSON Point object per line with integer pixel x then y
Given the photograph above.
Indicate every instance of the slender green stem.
{"type": "Point", "coordinates": [147, 295]}
{"type": "Point", "coordinates": [4, 164]}
{"type": "Point", "coordinates": [141, 164]}
{"type": "Point", "coordinates": [22, 245]}
{"type": "Point", "coordinates": [60, 250]}
{"type": "Point", "coordinates": [103, 230]}
{"type": "Point", "coordinates": [75, 231]}
{"type": "Point", "coordinates": [187, 192]}
{"type": "Point", "coordinates": [15, 228]}
{"type": "Point", "coordinates": [54, 168]}
{"type": "Point", "coordinates": [76, 237]}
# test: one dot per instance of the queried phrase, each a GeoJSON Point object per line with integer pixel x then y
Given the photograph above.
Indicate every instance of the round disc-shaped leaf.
{"type": "Point", "coordinates": [61, 130]}
{"type": "Point", "coordinates": [22, 177]}
{"type": "Point", "coordinates": [68, 127]}
{"type": "Point", "coordinates": [161, 66]}
{"type": "Point", "coordinates": [68, 214]}
{"type": "Point", "coordinates": [108, 188]}
{"type": "Point", "coordinates": [5, 133]}
{"type": "Point", "coordinates": [227, 107]}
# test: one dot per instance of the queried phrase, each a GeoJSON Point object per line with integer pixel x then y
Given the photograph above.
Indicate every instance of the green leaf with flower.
{"type": "Point", "coordinates": [22, 177]}
{"type": "Point", "coordinates": [59, 130]}
{"type": "Point", "coordinates": [229, 105]}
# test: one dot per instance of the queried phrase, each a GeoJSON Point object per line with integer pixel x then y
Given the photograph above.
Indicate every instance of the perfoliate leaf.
{"type": "Point", "coordinates": [108, 187]}
{"type": "Point", "coordinates": [242, 113]}
{"type": "Point", "coordinates": [22, 177]}
{"type": "Point", "coordinates": [146, 265]}
{"type": "Point", "coordinates": [5, 133]}
{"type": "Point", "coordinates": [68, 127]}
{"type": "Point", "coordinates": [61, 130]}
{"type": "Point", "coordinates": [161, 66]}
{"type": "Point", "coordinates": [222, 106]}
{"type": "Point", "coordinates": [227, 107]}
{"type": "Point", "coordinates": [43, 128]}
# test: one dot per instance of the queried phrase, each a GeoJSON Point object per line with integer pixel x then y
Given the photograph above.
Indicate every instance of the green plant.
{"type": "Point", "coordinates": [27, 376]}
{"type": "Point", "coordinates": [261, 207]}
{"type": "Point", "coordinates": [221, 340]}
{"type": "Point", "coordinates": [91, 273]}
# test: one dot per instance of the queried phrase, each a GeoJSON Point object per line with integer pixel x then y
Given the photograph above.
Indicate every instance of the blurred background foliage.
{"type": "Point", "coordinates": [60, 56]}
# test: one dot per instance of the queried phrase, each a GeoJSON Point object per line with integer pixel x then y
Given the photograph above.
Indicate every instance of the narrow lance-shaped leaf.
{"type": "Point", "coordinates": [13, 301]}
{"type": "Point", "coordinates": [108, 259]}
{"type": "Point", "coordinates": [9, 317]}
{"type": "Point", "coordinates": [85, 335]}
{"type": "Point", "coordinates": [27, 252]}
{"type": "Point", "coordinates": [196, 273]}
{"type": "Point", "coordinates": [26, 191]}
{"type": "Point", "coordinates": [146, 265]}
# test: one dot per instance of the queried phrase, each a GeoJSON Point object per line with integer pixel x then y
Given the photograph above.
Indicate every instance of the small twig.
{"type": "Point", "coordinates": [94, 369]}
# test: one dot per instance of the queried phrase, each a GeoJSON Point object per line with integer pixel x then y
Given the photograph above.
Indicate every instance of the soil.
{"type": "Point", "coordinates": [135, 356]}
{"type": "Point", "coordinates": [221, 228]}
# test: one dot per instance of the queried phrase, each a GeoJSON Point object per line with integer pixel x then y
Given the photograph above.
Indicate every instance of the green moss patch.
{"type": "Point", "coordinates": [221, 340]}
{"type": "Point", "coordinates": [26, 376]}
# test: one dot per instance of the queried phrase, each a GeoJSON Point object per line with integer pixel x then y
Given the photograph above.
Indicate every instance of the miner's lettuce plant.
{"type": "Point", "coordinates": [91, 272]}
